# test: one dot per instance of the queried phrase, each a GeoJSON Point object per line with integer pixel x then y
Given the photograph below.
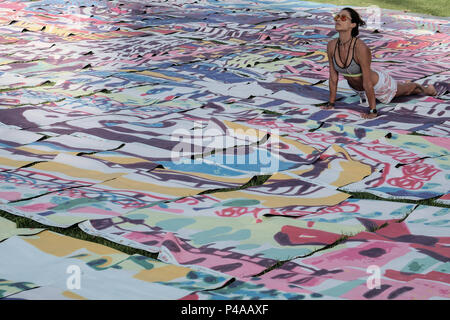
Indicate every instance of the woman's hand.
{"type": "Point", "coordinates": [371, 114]}
{"type": "Point", "coordinates": [328, 106]}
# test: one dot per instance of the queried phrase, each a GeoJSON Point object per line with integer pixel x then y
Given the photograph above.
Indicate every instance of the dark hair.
{"type": "Point", "coordinates": [355, 18]}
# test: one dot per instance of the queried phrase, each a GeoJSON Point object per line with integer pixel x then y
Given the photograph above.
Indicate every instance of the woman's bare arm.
{"type": "Point", "coordinates": [334, 76]}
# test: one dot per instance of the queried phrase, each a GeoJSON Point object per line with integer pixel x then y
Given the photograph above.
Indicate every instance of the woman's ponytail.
{"type": "Point", "coordinates": [355, 18]}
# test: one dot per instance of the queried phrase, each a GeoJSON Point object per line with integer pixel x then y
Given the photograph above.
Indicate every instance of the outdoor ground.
{"type": "Point", "coordinates": [275, 197]}
{"type": "Point", "coordinates": [434, 8]}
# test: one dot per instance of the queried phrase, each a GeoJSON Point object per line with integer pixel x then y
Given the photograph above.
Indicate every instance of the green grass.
{"type": "Point", "coordinates": [45, 84]}
{"type": "Point", "coordinates": [77, 233]}
{"type": "Point", "coordinates": [74, 232]}
{"type": "Point", "coordinates": [434, 7]}
{"type": "Point", "coordinates": [369, 196]}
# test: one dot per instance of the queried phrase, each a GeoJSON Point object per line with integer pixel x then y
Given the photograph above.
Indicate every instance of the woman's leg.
{"type": "Point", "coordinates": [408, 88]}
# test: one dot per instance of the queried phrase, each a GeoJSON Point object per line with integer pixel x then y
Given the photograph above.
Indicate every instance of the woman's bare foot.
{"type": "Point", "coordinates": [430, 90]}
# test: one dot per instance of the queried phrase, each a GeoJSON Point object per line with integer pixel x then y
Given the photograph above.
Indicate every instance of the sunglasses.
{"type": "Point", "coordinates": [341, 17]}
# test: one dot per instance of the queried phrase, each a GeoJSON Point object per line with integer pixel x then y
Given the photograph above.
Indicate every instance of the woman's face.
{"type": "Point", "coordinates": [343, 21]}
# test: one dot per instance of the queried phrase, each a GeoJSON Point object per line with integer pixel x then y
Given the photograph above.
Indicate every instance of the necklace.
{"type": "Point", "coordinates": [343, 44]}
{"type": "Point", "coordinates": [348, 53]}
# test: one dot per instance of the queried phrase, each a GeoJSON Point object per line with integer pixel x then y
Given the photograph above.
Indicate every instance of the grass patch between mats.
{"type": "Point", "coordinates": [440, 8]}
{"type": "Point", "coordinates": [74, 232]}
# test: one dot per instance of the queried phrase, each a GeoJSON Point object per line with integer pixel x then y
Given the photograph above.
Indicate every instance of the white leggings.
{"type": "Point", "coordinates": [385, 89]}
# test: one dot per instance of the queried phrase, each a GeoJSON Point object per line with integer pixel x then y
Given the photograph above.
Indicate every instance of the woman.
{"type": "Point", "coordinates": [351, 57]}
